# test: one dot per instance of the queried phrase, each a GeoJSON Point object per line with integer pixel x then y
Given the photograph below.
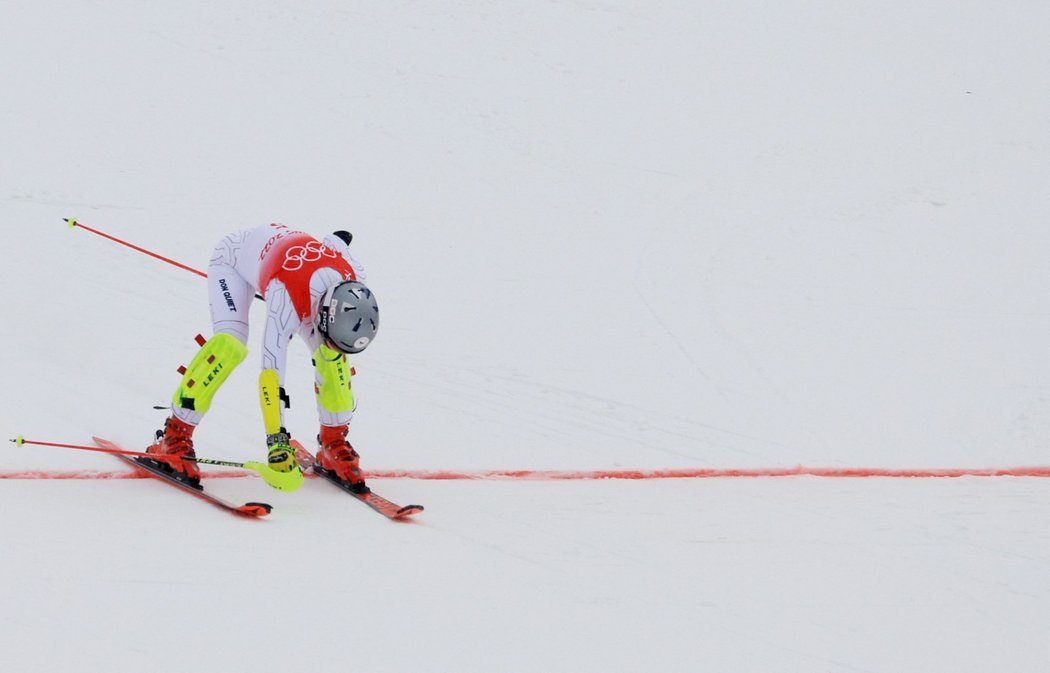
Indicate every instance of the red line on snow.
{"type": "Point", "coordinates": [583, 475]}
{"type": "Point", "coordinates": [695, 473]}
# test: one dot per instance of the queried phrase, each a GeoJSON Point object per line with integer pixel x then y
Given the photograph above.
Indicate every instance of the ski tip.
{"type": "Point", "coordinates": [407, 511]}
{"type": "Point", "coordinates": [256, 509]}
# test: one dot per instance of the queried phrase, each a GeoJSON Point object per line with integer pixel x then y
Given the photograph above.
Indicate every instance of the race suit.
{"type": "Point", "coordinates": [291, 270]}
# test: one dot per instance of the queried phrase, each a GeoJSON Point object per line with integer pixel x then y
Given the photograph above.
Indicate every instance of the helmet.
{"type": "Point", "coordinates": [348, 317]}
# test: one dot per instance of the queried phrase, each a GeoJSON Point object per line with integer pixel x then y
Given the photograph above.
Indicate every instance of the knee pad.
{"type": "Point", "coordinates": [210, 367]}
{"type": "Point", "coordinates": [332, 380]}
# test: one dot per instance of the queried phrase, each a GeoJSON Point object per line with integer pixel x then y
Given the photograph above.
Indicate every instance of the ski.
{"type": "Point", "coordinates": [390, 510]}
{"type": "Point", "coordinates": [377, 502]}
{"type": "Point", "coordinates": [248, 509]}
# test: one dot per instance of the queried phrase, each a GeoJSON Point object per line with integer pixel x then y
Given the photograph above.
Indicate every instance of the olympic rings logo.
{"type": "Point", "coordinates": [297, 255]}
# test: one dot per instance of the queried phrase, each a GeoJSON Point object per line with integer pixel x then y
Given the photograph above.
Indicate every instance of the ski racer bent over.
{"type": "Point", "coordinates": [313, 288]}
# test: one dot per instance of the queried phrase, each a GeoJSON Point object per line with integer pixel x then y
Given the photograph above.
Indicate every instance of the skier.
{"type": "Point", "coordinates": [311, 287]}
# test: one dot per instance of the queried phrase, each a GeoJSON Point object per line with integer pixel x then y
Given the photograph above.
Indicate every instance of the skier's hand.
{"type": "Point", "coordinates": [280, 469]}
{"type": "Point", "coordinates": [280, 455]}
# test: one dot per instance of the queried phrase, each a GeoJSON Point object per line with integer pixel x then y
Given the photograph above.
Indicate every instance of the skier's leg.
{"type": "Point", "coordinates": [230, 296]}
{"type": "Point", "coordinates": [335, 408]}
{"type": "Point", "coordinates": [212, 365]}
{"type": "Point", "coordinates": [335, 396]}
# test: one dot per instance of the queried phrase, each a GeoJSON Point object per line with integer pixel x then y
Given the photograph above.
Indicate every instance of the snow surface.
{"type": "Point", "coordinates": [605, 234]}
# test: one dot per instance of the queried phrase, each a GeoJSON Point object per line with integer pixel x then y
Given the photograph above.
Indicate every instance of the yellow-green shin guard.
{"type": "Point", "coordinates": [333, 380]}
{"type": "Point", "coordinates": [210, 367]}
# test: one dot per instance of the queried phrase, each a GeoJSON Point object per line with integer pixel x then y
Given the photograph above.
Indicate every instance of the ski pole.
{"type": "Point", "coordinates": [72, 222]}
{"type": "Point", "coordinates": [20, 440]}
{"type": "Point", "coordinates": [269, 475]}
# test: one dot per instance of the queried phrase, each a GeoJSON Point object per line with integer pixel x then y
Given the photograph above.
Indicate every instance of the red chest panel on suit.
{"type": "Point", "coordinates": [292, 259]}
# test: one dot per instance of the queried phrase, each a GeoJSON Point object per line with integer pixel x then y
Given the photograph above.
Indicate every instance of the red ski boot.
{"type": "Point", "coordinates": [339, 458]}
{"type": "Point", "coordinates": [176, 440]}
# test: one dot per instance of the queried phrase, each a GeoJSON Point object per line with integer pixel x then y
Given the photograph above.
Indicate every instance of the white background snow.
{"type": "Point", "coordinates": [604, 234]}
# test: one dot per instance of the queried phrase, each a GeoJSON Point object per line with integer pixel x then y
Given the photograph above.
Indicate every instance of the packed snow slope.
{"type": "Point", "coordinates": [604, 235]}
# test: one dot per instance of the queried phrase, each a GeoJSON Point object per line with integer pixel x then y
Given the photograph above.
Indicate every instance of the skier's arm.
{"type": "Point", "coordinates": [281, 325]}
{"type": "Point", "coordinates": [342, 246]}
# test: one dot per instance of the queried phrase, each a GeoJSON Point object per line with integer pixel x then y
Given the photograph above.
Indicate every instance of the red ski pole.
{"type": "Point", "coordinates": [73, 223]}
{"type": "Point", "coordinates": [20, 440]}
{"type": "Point", "coordinates": [280, 480]}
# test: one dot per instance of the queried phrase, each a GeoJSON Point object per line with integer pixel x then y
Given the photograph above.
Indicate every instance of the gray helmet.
{"type": "Point", "coordinates": [348, 317]}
